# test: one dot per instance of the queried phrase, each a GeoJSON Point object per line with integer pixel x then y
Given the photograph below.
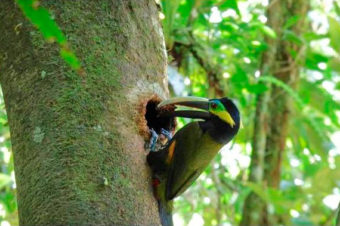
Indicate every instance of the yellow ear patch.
{"type": "Point", "coordinates": [225, 116]}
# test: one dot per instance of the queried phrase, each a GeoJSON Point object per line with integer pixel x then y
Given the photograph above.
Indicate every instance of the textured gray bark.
{"type": "Point", "coordinates": [72, 132]}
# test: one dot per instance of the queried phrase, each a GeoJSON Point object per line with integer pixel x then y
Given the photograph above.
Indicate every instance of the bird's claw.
{"type": "Point", "coordinates": [166, 133]}
{"type": "Point", "coordinates": [153, 140]}
{"type": "Point", "coordinates": [158, 141]}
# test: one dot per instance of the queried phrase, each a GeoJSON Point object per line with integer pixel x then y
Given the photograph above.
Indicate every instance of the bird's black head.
{"type": "Point", "coordinates": [224, 120]}
{"type": "Point", "coordinates": [225, 110]}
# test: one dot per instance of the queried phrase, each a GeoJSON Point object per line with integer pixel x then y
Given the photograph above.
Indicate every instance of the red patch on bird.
{"type": "Point", "coordinates": [155, 182]}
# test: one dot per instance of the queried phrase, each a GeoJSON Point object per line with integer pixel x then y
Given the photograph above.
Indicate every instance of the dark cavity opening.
{"type": "Point", "coordinates": [154, 121]}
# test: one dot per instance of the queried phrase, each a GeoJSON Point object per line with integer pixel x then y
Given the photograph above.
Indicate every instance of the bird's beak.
{"type": "Point", "coordinates": [193, 102]}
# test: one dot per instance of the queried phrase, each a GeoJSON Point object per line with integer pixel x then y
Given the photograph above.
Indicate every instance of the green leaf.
{"type": "Point", "coordinates": [169, 10]}
{"type": "Point", "coordinates": [334, 63]}
{"type": "Point", "coordinates": [70, 58]}
{"type": "Point", "coordinates": [334, 33]}
{"type": "Point", "coordinates": [336, 8]}
{"type": "Point", "coordinates": [314, 58]}
{"type": "Point", "coordinates": [337, 86]}
{"type": "Point", "coordinates": [322, 101]}
{"type": "Point", "coordinates": [230, 4]}
{"type": "Point", "coordinates": [291, 21]}
{"type": "Point", "coordinates": [292, 37]}
{"type": "Point", "coordinates": [268, 31]}
{"type": "Point", "coordinates": [4, 180]}
{"type": "Point", "coordinates": [42, 19]}
{"type": "Point", "coordinates": [239, 78]}
{"type": "Point", "coordinates": [259, 190]}
{"type": "Point", "coordinates": [310, 36]}
{"type": "Point", "coordinates": [285, 87]}
{"type": "Point", "coordinates": [257, 88]}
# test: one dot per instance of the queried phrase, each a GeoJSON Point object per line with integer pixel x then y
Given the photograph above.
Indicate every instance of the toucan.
{"type": "Point", "coordinates": [176, 166]}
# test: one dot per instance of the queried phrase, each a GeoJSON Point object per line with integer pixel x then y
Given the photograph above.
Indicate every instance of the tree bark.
{"type": "Point", "coordinates": [78, 154]}
{"type": "Point", "coordinates": [273, 106]}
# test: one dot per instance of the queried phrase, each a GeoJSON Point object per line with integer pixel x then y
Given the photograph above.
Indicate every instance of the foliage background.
{"type": "Point", "coordinates": [215, 49]}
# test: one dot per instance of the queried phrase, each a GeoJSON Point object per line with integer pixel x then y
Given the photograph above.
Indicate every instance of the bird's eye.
{"type": "Point", "coordinates": [213, 105]}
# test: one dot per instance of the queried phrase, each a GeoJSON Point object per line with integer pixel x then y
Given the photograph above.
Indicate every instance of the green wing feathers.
{"type": "Point", "coordinates": [194, 151]}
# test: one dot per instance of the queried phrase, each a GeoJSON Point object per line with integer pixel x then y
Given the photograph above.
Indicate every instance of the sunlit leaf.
{"type": "Point", "coordinates": [42, 19]}
{"type": "Point", "coordinates": [268, 31]}
{"type": "Point", "coordinates": [230, 4]}
{"type": "Point", "coordinates": [4, 180]}
{"type": "Point", "coordinates": [291, 21]}
{"type": "Point", "coordinates": [292, 37]}
{"type": "Point", "coordinates": [334, 33]}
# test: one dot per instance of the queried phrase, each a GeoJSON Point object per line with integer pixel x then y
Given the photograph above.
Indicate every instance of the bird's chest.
{"type": "Point", "coordinates": [204, 152]}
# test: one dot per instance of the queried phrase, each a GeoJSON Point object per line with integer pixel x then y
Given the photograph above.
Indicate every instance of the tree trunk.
{"type": "Point", "coordinates": [78, 154]}
{"type": "Point", "coordinates": [273, 106]}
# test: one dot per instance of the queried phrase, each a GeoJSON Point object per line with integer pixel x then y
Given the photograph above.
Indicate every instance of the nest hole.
{"type": "Point", "coordinates": [154, 119]}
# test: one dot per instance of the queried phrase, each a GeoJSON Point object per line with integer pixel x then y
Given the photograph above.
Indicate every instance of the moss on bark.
{"type": "Point", "coordinates": [78, 156]}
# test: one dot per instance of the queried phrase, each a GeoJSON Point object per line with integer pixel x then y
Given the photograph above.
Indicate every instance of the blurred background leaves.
{"type": "Point", "coordinates": [215, 49]}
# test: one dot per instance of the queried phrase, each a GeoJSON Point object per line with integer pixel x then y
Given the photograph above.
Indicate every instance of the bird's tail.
{"type": "Point", "coordinates": [164, 206]}
{"type": "Point", "coordinates": [165, 213]}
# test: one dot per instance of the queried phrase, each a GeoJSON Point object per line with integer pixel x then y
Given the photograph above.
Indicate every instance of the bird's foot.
{"type": "Point", "coordinates": [164, 137]}
{"type": "Point", "coordinates": [158, 141]}
{"type": "Point", "coordinates": [166, 133]}
{"type": "Point", "coordinates": [153, 140]}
